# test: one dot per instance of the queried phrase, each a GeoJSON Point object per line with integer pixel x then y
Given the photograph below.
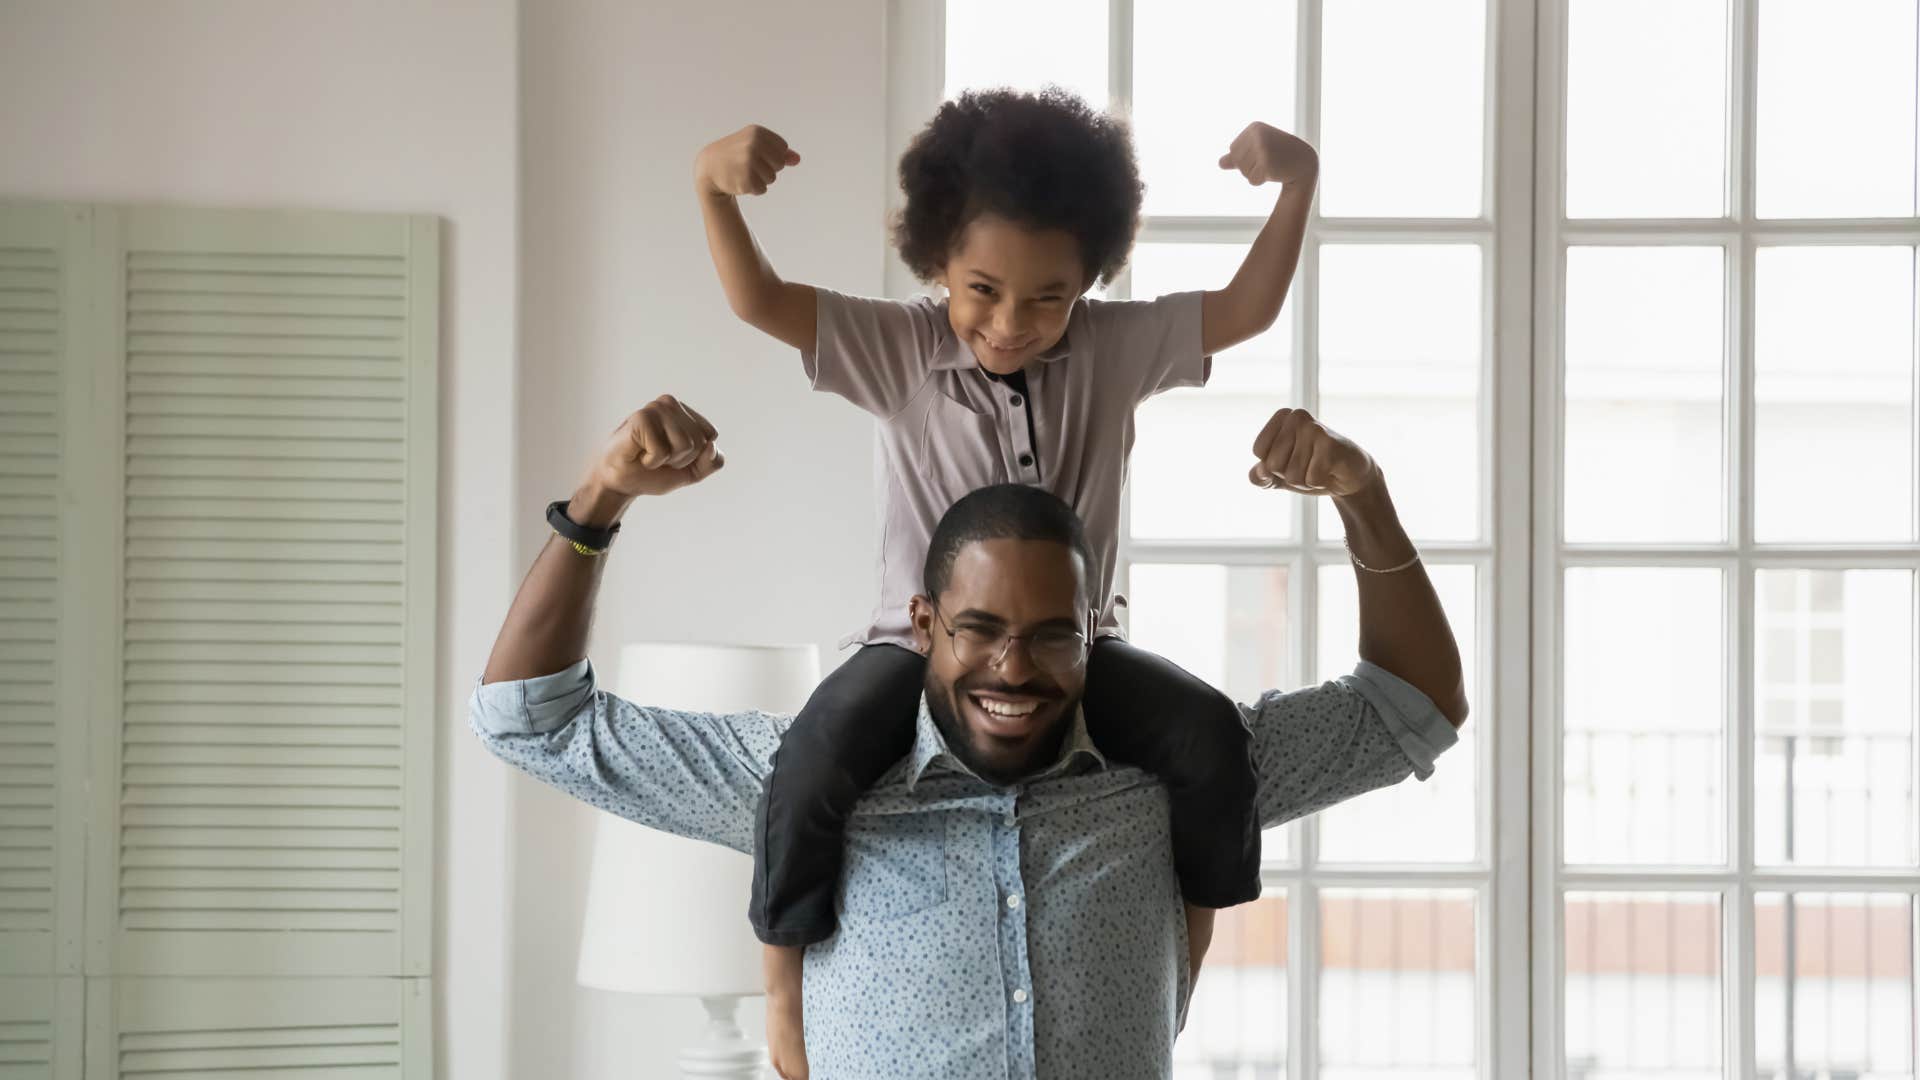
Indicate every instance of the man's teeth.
{"type": "Point", "coordinates": [1006, 708]}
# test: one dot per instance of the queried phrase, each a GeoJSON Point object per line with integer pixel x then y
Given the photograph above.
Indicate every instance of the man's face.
{"type": "Point", "coordinates": [1005, 720]}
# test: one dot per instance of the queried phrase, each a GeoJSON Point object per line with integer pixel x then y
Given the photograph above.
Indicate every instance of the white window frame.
{"type": "Point", "coordinates": [1740, 232]}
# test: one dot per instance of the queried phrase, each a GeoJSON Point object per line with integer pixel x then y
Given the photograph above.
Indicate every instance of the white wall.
{"type": "Point", "coordinates": [364, 104]}
{"type": "Point", "coordinates": [340, 104]}
{"type": "Point", "coordinates": [619, 305]}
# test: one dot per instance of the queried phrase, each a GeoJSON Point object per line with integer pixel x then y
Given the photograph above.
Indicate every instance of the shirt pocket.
{"type": "Point", "coordinates": [896, 865]}
{"type": "Point", "coordinates": [959, 447]}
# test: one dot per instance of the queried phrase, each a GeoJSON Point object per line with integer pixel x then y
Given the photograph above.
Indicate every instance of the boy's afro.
{"type": "Point", "coordinates": [1042, 160]}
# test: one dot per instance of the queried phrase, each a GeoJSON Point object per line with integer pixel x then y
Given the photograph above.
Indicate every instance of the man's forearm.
{"type": "Point", "coordinates": [1402, 625]}
{"type": "Point", "coordinates": [547, 627]}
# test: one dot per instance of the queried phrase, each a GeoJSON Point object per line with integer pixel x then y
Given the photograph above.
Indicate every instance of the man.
{"type": "Point", "coordinates": [1009, 906]}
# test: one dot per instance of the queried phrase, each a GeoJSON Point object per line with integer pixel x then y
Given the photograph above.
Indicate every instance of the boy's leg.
{"type": "Point", "coordinates": [1147, 711]}
{"type": "Point", "coordinates": [859, 721]}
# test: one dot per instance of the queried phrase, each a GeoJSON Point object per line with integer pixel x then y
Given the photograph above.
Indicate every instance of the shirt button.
{"type": "Point", "coordinates": [1019, 997]}
{"type": "Point", "coordinates": [1013, 901]}
{"type": "Point", "coordinates": [1026, 461]}
{"type": "Point", "coordinates": [1015, 400]}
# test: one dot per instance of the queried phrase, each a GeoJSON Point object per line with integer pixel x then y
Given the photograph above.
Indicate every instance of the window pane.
{"type": "Point", "coordinates": [1397, 994]}
{"type": "Point", "coordinates": [1835, 112]}
{"type": "Point", "coordinates": [1413, 822]}
{"type": "Point", "coordinates": [1028, 46]}
{"type": "Point", "coordinates": [1836, 972]}
{"type": "Point", "coordinates": [1644, 716]}
{"type": "Point", "coordinates": [1833, 686]}
{"type": "Point", "coordinates": [1225, 624]}
{"type": "Point", "coordinates": [1400, 374]}
{"type": "Point", "coordinates": [1237, 1023]}
{"type": "Point", "coordinates": [1202, 71]}
{"type": "Point", "coordinates": [1171, 498]}
{"type": "Point", "coordinates": [1403, 85]}
{"type": "Point", "coordinates": [1643, 985]}
{"type": "Point", "coordinates": [1646, 108]}
{"type": "Point", "coordinates": [1833, 384]}
{"type": "Point", "coordinates": [1645, 354]}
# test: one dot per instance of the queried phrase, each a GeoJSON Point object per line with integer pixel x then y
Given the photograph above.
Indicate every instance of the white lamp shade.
{"type": "Point", "coordinates": [666, 915]}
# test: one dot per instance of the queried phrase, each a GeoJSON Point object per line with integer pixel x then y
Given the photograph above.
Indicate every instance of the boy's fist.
{"type": "Point", "coordinates": [744, 163]}
{"type": "Point", "coordinates": [1263, 152]}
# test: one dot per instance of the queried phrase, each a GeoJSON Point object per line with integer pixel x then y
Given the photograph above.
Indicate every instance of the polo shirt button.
{"type": "Point", "coordinates": [1015, 399]}
{"type": "Point", "coordinates": [1026, 461]}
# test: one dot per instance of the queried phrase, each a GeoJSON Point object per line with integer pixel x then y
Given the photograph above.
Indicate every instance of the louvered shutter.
{"type": "Point", "coordinates": [44, 672]}
{"type": "Point", "coordinates": [333, 1029]}
{"type": "Point", "coordinates": [274, 753]}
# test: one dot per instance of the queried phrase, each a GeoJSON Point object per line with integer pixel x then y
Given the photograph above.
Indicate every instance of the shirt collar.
{"type": "Point", "coordinates": [952, 354]}
{"type": "Point", "coordinates": [930, 750]}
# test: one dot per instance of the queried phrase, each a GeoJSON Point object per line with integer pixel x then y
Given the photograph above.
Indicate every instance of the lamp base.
{"type": "Point", "coordinates": [727, 1055]}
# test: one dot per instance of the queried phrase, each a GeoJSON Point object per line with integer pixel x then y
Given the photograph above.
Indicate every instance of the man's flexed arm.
{"type": "Point", "coordinates": [663, 447]}
{"type": "Point", "coordinates": [1402, 626]}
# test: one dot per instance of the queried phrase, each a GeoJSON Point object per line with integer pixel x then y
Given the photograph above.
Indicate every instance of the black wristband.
{"type": "Point", "coordinates": [580, 535]}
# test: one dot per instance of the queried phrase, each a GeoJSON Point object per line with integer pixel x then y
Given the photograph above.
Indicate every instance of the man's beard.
{"type": "Point", "coordinates": [943, 702]}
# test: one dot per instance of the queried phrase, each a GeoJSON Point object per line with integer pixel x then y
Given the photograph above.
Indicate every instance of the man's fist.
{"type": "Point", "coordinates": [1301, 454]}
{"type": "Point", "coordinates": [663, 447]}
{"type": "Point", "coordinates": [744, 163]}
{"type": "Point", "coordinates": [1263, 152]}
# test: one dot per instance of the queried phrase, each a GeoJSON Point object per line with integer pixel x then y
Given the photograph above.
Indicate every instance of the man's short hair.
{"type": "Point", "coordinates": [1002, 512]}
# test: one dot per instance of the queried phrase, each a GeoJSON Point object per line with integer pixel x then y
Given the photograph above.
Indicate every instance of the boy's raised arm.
{"type": "Point", "coordinates": [748, 162]}
{"type": "Point", "coordinates": [1250, 303]}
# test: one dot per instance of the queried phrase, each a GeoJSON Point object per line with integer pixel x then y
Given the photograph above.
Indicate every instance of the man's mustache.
{"type": "Point", "coordinates": [1031, 688]}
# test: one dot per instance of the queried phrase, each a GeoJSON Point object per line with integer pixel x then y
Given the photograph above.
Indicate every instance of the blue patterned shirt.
{"type": "Point", "coordinates": [985, 933]}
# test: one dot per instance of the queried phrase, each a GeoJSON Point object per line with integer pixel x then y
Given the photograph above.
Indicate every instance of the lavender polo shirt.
{"type": "Point", "coordinates": [947, 428]}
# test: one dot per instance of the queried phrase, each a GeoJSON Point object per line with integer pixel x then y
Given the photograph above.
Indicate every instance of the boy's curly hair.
{"type": "Point", "coordinates": [1043, 160]}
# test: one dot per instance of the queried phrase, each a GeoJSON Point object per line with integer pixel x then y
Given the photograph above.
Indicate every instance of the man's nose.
{"type": "Point", "coordinates": [1015, 664]}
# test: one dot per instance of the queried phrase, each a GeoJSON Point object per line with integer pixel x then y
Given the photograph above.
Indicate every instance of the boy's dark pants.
{"type": "Point", "coordinates": [1141, 709]}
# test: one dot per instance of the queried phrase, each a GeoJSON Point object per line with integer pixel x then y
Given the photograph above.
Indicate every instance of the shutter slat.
{"type": "Point", "coordinates": [156, 301]}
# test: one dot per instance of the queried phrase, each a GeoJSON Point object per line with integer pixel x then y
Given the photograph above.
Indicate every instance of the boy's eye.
{"type": "Point", "coordinates": [983, 290]}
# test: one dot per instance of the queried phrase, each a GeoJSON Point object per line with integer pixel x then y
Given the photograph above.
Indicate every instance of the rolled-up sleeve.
{"type": "Point", "coordinates": [697, 775]}
{"type": "Point", "coordinates": [1325, 744]}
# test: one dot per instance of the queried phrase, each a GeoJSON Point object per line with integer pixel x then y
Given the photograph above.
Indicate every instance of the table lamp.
{"type": "Point", "coordinates": [665, 915]}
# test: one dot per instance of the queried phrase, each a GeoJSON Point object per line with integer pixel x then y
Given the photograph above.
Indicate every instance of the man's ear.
{"type": "Point", "coordinates": [920, 615]}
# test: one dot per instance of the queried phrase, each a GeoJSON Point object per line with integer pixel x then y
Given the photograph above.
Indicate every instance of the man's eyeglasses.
{"type": "Point", "coordinates": [1054, 650]}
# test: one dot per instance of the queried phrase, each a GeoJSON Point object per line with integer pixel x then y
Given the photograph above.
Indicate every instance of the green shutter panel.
{"type": "Point", "coordinates": [259, 1029]}
{"type": "Point", "coordinates": [274, 740]}
{"type": "Point", "coordinates": [44, 382]}
{"type": "Point", "coordinates": [41, 1028]}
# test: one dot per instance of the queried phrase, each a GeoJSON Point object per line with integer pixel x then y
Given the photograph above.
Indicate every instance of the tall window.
{"type": "Point", "coordinates": [1726, 277]}
{"type": "Point", "coordinates": [1622, 295]}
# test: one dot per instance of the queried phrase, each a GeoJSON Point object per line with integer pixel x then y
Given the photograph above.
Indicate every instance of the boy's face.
{"type": "Point", "coordinates": [1010, 289]}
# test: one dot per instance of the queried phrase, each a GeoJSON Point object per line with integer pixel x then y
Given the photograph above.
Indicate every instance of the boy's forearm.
{"type": "Point", "coordinates": [1251, 302]}
{"type": "Point", "coordinates": [754, 290]}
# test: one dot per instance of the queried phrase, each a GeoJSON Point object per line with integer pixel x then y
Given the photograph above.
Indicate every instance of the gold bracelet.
{"type": "Point", "coordinates": [1376, 570]}
{"type": "Point", "coordinates": [591, 553]}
